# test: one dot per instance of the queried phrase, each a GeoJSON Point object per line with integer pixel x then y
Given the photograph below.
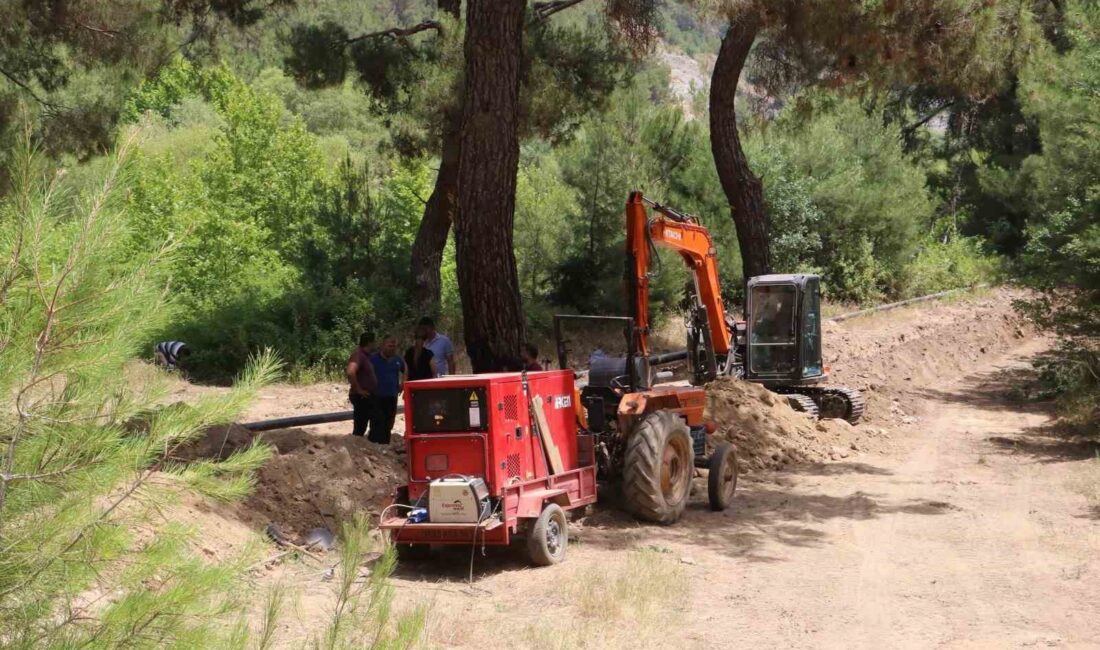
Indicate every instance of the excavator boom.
{"type": "Point", "coordinates": [685, 235]}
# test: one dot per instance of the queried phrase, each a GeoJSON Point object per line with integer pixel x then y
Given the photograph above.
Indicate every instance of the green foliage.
{"type": "Point", "coordinates": [634, 146]}
{"type": "Point", "coordinates": [544, 204]}
{"type": "Point", "coordinates": [87, 457]}
{"type": "Point", "coordinates": [872, 198]}
{"type": "Point", "coordinates": [273, 248]}
{"type": "Point", "coordinates": [947, 263]}
{"type": "Point", "coordinates": [1060, 90]}
{"type": "Point", "coordinates": [363, 616]}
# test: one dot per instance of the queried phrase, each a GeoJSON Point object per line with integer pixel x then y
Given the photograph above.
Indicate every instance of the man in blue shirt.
{"type": "Point", "coordinates": [389, 370]}
{"type": "Point", "coordinates": [442, 350]}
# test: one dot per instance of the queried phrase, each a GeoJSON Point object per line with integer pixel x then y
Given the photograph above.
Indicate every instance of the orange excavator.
{"type": "Point", "coordinates": [777, 345]}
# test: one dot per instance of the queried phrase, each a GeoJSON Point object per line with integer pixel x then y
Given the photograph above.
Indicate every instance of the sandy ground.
{"type": "Point", "coordinates": [954, 518]}
{"type": "Point", "coordinates": [968, 535]}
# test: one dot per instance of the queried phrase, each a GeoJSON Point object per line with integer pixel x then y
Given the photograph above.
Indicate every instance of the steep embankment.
{"type": "Point", "coordinates": [894, 357]}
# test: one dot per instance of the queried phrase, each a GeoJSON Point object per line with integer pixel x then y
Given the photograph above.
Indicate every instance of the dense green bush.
{"type": "Point", "coordinates": [871, 198]}
{"type": "Point", "coordinates": [1061, 259]}
{"type": "Point", "coordinates": [273, 247]}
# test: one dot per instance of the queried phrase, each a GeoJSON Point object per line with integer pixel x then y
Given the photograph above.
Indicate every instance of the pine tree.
{"type": "Point", "coordinates": [86, 457]}
{"type": "Point", "coordinates": [797, 43]}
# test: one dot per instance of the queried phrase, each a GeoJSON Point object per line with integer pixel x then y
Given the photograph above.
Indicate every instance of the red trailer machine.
{"type": "Point", "coordinates": [492, 457]}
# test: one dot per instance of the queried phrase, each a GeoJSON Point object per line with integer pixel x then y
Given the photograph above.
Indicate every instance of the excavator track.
{"type": "Point", "coordinates": [802, 403]}
{"type": "Point", "coordinates": [831, 401]}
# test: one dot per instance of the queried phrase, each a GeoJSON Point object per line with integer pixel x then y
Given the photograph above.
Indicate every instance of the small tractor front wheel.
{"type": "Point", "coordinates": [658, 467]}
{"type": "Point", "coordinates": [721, 476]}
{"type": "Point", "coordinates": [548, 536]}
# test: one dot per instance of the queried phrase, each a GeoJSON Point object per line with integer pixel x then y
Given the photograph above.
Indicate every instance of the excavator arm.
{"type": "Point", "coordinates": [685, 235]}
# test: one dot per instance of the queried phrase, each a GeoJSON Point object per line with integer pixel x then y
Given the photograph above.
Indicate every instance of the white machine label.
{"type": "Point", "coordinates": [563, 401]}
{"type": "Point", "coordinates": [475, 411]}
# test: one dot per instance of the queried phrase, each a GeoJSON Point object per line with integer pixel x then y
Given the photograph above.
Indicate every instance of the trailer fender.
{"type": "Point", "coordinates": [531, 503]}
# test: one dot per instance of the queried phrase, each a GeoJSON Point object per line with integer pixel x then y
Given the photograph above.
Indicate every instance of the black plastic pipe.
{"type": "Point", "coordinates": [299, 421]}
{"type": "Point", "coordinates": [667, 357]}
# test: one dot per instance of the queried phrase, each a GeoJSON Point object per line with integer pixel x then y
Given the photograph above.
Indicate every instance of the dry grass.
{"type": "Point", "coordinates": [1088, 483]}
{"type": "Point", "coordinates": [621, 605]}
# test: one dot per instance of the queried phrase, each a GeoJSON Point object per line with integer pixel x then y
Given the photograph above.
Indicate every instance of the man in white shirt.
{"type": "Point", "coordinates": [443, 351]}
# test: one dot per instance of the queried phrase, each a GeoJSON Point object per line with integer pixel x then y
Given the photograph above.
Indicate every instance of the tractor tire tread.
{"type": "Point", "coordinates": [642, 467]}
{"type": "Point", "coordinates": [716, 464]}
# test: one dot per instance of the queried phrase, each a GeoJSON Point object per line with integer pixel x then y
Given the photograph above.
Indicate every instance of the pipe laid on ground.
{"type": "Point", "coordinates": [299, 421]}
{"type": "Point", "coordinates": [895, 305]}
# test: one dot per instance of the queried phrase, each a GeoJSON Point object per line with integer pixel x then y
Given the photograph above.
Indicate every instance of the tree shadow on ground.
{"type": "Point", "coordinates": [765, 513]}
{"type": "Point", "coordinates": [837, 469]}
{"type": "Point", "coordinates": [1050, 443]}
{"type": "Point", "coordinates": [998, 388]}
{"type": "Point", "coordinates": [1014, 390]}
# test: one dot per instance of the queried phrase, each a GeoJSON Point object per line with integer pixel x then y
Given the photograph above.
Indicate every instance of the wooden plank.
{"type": "Point", "coordinates": [547, 439]}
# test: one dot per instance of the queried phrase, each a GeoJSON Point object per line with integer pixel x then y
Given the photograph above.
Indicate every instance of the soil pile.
{"type": "Point", "coordinates": [897, 356]}
{"type": "Point", "coordinates": [312, 480]}
{"type": "Point", "coordinates": [768, 433]}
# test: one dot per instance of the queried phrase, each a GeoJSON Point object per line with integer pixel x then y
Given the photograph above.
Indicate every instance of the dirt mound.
{"type": "Point", "coordinates": [313, 479]}
{"type": "Point", "coordinates": [896, 356]}
{"type": "Point", "coordinates": [768, 433]}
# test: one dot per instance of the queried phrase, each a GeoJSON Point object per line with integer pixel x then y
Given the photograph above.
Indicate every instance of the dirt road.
{"type": "Point", "coordinates": [951, 517]}
{"type": "Point", "coordinates": [968, 534]}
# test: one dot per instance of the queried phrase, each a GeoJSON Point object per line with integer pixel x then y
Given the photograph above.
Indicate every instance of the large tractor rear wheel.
{"type": "Point", "coordinates": [658, 467]}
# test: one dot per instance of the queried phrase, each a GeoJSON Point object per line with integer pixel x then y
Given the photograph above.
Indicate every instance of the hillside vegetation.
{"type": "Point", "coordinates": [266, 179]}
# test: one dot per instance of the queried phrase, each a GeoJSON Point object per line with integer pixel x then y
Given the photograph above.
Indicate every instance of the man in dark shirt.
{"type": "Point", "coordinates": [419, 360]}
{"type": "Point", "coordinates": [529, 355]}
{"type": "Point", "coordinates": [362, 382]}
{"type": "Point", "coordinates": [389, 369]}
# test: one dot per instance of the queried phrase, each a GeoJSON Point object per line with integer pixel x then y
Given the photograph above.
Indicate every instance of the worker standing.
{"type": "Point", "coordinates": [443, 351]}
{"type": "Point", "coordinates": [529, 355]}
{"type": "Point", "coordinates": [390, 370]}
{"type": "Point", "coordinates": [419, 360]}
{"type": "Point", "coordinates": [362, 382]}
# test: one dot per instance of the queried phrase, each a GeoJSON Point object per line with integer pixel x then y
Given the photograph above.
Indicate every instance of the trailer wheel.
{"type": "Point", "coordinates": [658, 467]}
{"type": "Point", "coordinates": [721, 476]}
{"type": "Point", "coordinates": [548, 536]}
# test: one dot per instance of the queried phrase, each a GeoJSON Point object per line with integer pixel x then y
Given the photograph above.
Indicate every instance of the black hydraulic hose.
{"type": "Point", "coordinates": [299, 421]}
{"type": "Point", "coordinates": [667, 357]}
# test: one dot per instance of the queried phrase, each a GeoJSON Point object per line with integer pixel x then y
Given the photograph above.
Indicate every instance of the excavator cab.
{"type": "Point", "coordinates": [783, 330]}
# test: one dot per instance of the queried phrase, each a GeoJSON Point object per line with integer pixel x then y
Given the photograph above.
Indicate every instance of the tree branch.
{"type": "Point", "coordinates": [910, 129]}
{"type": "Point", "coordinates": [398, 32]}
{"type": "Point", "coordinates": [106, 32]}
{"type": "Point", "coordinates": [41, 475]}
{"type": "Point", "coordinates": [30, 91]}
{"type": "Point", "coordinates": [544, 10]}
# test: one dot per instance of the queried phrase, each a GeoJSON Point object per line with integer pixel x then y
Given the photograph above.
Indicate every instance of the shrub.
{"type": "Point", "coordinates": [87, 459]}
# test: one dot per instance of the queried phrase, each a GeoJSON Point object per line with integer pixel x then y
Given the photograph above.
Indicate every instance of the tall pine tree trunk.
{"type": "Point", "coordinates": [743, 189]}
{"type": "Point", "coordinates": [439, 212]}
{"type": "Point", "coordinates": [488, 163]}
